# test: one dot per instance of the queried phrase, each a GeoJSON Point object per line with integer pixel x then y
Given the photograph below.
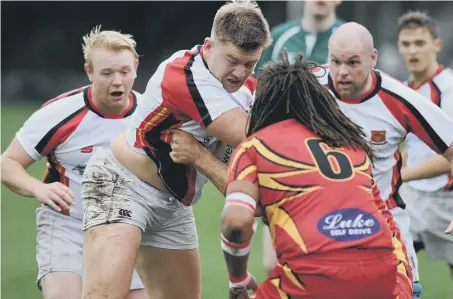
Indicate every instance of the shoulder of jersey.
{"type": "Point", "coordinates": [397, 87]}
{"type": "Point", "coordinates": [444, 80]}
{"type": "Point", "coordinates": [65, 102]}
{"type": "Point", "coordinates": [281, 28]}
{"type": "Point", "coordinates": [322, 73]}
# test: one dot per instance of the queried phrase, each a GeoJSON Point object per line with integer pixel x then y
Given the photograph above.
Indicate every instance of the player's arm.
{"type": "Point", "coordinates": [433, 166]}
{"type": "Point", "coordinates": [429, 168]}
{"type": "Point", "coordinates": [431, 124]}
{"type": "Point", "coordinates": [31, 143]}
{"type": "Point", "coordinates": [230, 126]}
{"type": "Point", "coordinates": [186, 150]}
{"type": "Point", "coordinates": [14, 162]}
{"type": "Point", "coordinates": [242, 195]}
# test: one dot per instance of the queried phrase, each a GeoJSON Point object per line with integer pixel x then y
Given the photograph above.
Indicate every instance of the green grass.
{"type": "Point", "coordinates": [18, 238]}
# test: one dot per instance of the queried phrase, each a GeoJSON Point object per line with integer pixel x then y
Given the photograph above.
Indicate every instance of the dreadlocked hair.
{"type": "Point", "coordinates": [292, 91]}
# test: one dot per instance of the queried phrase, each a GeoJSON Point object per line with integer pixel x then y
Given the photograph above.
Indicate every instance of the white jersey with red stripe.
{"type": "Point", "coordinates": [183, 94]}
{"type": "Point", "coordinates": [67, 130]}
{"type": "Point", "coordinates": [438, 88]}
{"type": "Point", "coordinates": [387, 113]}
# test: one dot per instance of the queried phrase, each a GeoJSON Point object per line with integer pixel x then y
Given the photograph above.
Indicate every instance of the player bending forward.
{"type": "Point", "coordinates": [333, 236]}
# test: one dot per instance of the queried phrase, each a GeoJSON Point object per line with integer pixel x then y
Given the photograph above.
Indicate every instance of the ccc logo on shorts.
{"type": "Point", "coordinates": [125, 213]}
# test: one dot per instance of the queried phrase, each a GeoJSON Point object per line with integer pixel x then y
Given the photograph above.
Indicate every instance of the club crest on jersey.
{"type": "Point", "coordinates": [348, 224]}
{"type": "Point", "coordinates": [378, 137]}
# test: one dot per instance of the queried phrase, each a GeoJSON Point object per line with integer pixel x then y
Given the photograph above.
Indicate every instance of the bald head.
{"type": "Point", "coordinates": [352, 35]}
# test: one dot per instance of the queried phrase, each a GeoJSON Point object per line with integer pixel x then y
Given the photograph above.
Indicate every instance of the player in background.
{"type": "Point", "coordinates": [428, 187]}
{"type": "Point", "coordinates": [387, 111]}
{"type": "Point", "coordinates": [67, 130]}
{"type": "Point", "coordinates": [309, 35]}
{"type": "Point", "coordinates": [318, 196]}
{"type": "Point", "coordinates": [137, 201]}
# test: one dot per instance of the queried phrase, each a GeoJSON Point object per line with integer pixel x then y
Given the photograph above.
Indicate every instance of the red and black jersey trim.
{"type": "Point", "coordinates": [371, 93]}
{"type": "Point", "coordinates": [436, 96]}
{"type": "Point", "coordinates": [62, 96]}
{"type": "Point", "coordinates": [60, 132]}
{"type": "Point", "coordinates": [438, 142]}
{"type": "Point", "coordinates": [195, 94]}
{"type": "Point", "coordinates": [177, 178]}
{"type": "Point", "coordinates": [89, 104]}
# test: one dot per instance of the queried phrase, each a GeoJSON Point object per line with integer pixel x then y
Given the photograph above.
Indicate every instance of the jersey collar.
{"type": "Point", "coordinates": [374, 89]}
{"type": "Point", "coordinates": [87, 96]}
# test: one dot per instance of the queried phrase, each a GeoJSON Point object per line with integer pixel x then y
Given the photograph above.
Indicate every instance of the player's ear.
{"type": "Point", "coordinates": [89, 71]}
{"type": "Point", "coordinates": [136, 65]}
{"type": "Point", "coordinates": [374, 56]}
{"type": "Point", "coordinates": [208, 44]}
{"type": "Point", "coordinates": [438, 44]}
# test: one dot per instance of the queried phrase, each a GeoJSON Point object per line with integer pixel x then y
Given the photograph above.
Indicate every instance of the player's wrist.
{"type": "Point", "coordinates": [201, 156]}
{"type": "Point", "coordinates": [240, 281]}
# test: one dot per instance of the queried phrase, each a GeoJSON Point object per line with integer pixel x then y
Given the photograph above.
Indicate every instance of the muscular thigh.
{"type": "Point", "coordinates": [170, 273]}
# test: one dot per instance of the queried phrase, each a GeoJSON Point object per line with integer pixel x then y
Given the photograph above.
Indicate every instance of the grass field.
{"type": "Point", "coordinates": [18, 238]}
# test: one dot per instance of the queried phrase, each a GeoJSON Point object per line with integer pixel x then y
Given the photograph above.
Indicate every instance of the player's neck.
{"type": "Point", "coordinates": [419, 78]}
{"type": "Point", "coordinates": [366, 87]}
{"type": "Point", "coordinates": [311, 24]}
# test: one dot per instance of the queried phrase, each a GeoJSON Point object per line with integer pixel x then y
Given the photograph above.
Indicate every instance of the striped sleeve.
{"type": "Point", "coordinates": [420, 116]}
{"type": "Point", "coordinates": [50, 126]}
{"type": "Point", "coordinates": [194, 92]}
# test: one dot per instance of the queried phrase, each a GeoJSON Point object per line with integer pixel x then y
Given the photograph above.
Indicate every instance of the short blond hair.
{"type": "Point", "coordinates": [107, 39]}
{"type": "Point", "coordinates": [243, 24]}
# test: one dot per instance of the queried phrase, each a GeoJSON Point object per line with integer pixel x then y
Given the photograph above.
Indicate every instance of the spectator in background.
{"type": "Point", "coordinates": [309, 35]}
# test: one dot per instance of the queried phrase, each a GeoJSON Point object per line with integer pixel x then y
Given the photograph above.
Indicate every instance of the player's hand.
{"type": "Point", "coordinates": [450, 228]}
{"type": "Point", "coordinates": [55, 195]}
{"type": "Point", "coordinates": [185, 149]}
{"type": "Point", "coordinates": [240, 290]}
{"type": "Point", "coordinates": [239, 293]}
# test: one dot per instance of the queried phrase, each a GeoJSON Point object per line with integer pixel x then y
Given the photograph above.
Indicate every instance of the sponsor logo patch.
{"type": "Point", "coordinates": [348, 224]}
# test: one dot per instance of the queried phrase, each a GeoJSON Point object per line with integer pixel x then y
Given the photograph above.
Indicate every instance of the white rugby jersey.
{"type": "Point", "coordinates": [438, 88]}
{"type": "Point", "coordinates": [387, 113]}
{"type": "Point", "coordinates": [183, 94]}
{"type": "Point", "coordinates": [68, 130]}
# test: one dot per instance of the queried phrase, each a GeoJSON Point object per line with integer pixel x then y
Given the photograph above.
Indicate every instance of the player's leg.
{"type": "Point", "coordinates": [61, 285]}
{"type": "Point", "coordinates": [169, 261]}
{"type": "Point", "coordinates": [109, 256]}
{"type": "Point", "coordinates": [269, 255]}
{"type": "Point", "coordinates": [114, 219]}
{"type": "Point", "coordinates": [59, 254]}
{"type": "Point", "coordinates": [137, 288]}
{"type": "Point", "coordinates": [438, 246]}
{"type": "Point", "coordinates": [402, 220]}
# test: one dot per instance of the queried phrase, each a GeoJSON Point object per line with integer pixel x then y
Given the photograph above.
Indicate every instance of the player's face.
{"type": "Point", "coordinates": [112, 74]}
{"type": "Point", "coordinates": [350, 68]}
{"type": "Point", "coordinates": [321, 9]}
{"type": "Point", "coordinates": [418, 48]}
{"type": "Point", "coordinates": [229, 64]}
